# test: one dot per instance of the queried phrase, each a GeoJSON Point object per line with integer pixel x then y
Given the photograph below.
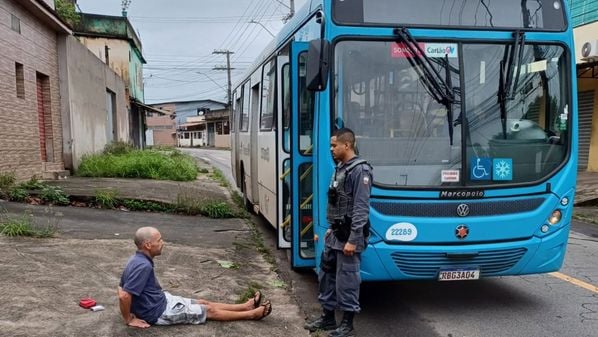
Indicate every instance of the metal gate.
{"type": "Point", "coordinates": [586, 108]}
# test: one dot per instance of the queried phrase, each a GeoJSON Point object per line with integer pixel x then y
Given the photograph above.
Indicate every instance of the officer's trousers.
{"type": "Point", "coordinates": [339, 287]}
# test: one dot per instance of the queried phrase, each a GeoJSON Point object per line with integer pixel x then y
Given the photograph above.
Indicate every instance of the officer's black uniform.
{"type": "Point", "coordinates": [347, 216]}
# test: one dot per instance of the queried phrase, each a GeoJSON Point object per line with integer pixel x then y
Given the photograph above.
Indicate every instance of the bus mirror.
{"type": "Point", "coordinates": [317, 65]}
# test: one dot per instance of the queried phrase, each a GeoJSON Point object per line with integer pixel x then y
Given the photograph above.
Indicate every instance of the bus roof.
{"type": "Point", "coordinates": [283, 36]}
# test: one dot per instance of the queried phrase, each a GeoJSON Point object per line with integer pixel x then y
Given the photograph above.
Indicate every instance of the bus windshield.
{"type": "Point", "coordinates": [403, 131]}
{"type": "Point", "coordinates": [503, 14]}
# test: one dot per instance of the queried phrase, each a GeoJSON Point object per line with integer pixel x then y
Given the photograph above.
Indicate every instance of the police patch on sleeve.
{"type": "Point", "coordinates": [366, 180]}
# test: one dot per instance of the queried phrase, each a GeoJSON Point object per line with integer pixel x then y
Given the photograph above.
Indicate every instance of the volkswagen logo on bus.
{"type": "Point", "coordinates": [461, 232]}
{"type": "Point", "coordinates": [463, 210]}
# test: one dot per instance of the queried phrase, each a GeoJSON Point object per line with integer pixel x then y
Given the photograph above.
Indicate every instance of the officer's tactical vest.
{"type": "Point", "coordinates": [343, 205]}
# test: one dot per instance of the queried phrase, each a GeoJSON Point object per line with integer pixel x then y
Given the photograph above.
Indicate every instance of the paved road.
{"type": "Point", "coordinates": [220, 159]}
{"type": "Point", "coordinates": [536, 305]}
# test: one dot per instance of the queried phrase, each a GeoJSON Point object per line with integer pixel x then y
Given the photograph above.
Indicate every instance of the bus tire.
{"type": "Point", "coordinates": [246, 203]}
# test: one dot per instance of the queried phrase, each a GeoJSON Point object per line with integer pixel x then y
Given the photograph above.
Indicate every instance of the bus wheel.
{"type": "Point", "coordinates": [247, 204]}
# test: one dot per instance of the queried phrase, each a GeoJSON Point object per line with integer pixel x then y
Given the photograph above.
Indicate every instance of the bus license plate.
{"type": "Point", "coordinates": [458, 274]}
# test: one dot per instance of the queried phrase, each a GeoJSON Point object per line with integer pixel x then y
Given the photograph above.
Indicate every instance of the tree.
{"type": "Point", "coordinates": [66, 11]}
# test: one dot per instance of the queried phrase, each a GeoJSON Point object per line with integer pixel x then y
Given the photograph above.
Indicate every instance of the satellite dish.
{"type": "Point", "coordinates": [586, 49]}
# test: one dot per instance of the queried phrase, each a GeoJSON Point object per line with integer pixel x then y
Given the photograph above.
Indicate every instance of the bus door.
{"type": "Point", "coordinates": [283, 142]}
{"type": "Point", "coordinates": [301, 170]}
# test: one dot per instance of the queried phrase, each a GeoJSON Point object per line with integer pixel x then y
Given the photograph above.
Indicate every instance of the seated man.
{"type": "Point", "coordinates": [142, 301]}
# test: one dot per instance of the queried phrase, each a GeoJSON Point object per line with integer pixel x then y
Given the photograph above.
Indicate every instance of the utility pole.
{"type": "Point", "coordinates": [228, 69]}
{"type": "Point", "coordinates": [291, 8]}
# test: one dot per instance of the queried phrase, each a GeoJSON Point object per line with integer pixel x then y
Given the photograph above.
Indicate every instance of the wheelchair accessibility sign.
{"type": "Point", "coordinates": [481, 169]}
{"type": "Point", "coordinates": [492, 169]}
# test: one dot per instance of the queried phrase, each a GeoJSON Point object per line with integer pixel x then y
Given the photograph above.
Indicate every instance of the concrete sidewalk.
{"type": "Point", "coordinates": [42, 280]}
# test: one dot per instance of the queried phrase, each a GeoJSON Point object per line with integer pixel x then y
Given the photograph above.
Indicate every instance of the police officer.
{"type": "Point", "coordinates": [345, 239]}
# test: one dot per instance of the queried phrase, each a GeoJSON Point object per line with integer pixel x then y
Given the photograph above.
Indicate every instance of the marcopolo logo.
{"type": "Point", "coordinates": [441, 49]}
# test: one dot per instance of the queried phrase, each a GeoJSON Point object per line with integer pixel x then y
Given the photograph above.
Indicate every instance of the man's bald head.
{"type": "Point", "coordinates": [143, 235]}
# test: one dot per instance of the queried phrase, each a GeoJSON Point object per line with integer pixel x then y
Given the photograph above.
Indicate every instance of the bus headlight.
{"type": "Point", "coordinates": [555, 217]}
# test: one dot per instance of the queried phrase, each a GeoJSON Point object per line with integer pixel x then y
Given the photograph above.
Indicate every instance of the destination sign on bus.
{"type": "Point", "coordinates": [400, 50]}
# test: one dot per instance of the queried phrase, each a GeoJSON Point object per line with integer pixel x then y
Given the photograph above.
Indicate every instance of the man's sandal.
{"type": "Point", "coordinates": [267, 310]}
{"type": "Point", "coordinates": [257, 299]}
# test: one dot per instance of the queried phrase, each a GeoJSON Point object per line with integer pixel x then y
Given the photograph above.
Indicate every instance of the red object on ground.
{"type": "Point", "coordinates": [87, 302]}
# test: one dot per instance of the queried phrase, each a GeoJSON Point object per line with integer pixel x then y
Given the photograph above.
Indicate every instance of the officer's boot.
{"type": "Point", "coordinates": [346, 327]}
{"type": "Point", "coordinates": [327, 321]}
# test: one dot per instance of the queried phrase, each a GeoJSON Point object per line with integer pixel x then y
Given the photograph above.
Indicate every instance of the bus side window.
{"type": "Point", "coordinates": [267, 119]}
{"type": "Point", "coordinates": [244, 121]}
{"type": "Point", "coordinates": [286, 106]}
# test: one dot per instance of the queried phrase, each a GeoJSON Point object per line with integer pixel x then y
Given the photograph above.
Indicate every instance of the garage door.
{"type": "Point", "coordinates": [586, 108]}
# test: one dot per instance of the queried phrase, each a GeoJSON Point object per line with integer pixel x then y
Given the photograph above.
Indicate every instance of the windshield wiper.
{"type": "Point", "coordinates": [507, 85]}
{"type": "Point", "coordinates": [438, 88]}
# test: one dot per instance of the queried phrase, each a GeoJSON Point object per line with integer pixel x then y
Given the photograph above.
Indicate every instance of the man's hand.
{"type": "Point", "coordinates": [138, 323]}
{"type": "Point", "coordinates": [349, 249]}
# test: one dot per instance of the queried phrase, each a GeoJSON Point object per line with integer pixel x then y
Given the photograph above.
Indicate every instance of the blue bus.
{"type": "Point", "coordinates": [465, 109]}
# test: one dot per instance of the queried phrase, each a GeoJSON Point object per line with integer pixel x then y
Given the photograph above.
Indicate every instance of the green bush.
{"type": "Point", "coordinates": [7, 180]}
{"type": "Point", "coordinates": [106, 198]}
{"type": "Point", "coordinates": [24, 226]}
{"type": "Point", "coordinates": [219, 177]}
{"type": "Point", "coordinates": [54, 195]}
{"type": "Point", "coordinates": [118, 148]}
{"type": "Point", "coordinates": [217, 210]}
{"type": "Point", "coordinates": [143, 205]}
{"type": "Point", "coordinates": [18, 194]}
{"type": "Point", "coordinates": [32, 184]}
{"type": "Point", "coordinates": [148, 164]}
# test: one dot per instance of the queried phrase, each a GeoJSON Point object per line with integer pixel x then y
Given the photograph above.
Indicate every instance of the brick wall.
{"type": "Point", "coordinates": [35, 49]}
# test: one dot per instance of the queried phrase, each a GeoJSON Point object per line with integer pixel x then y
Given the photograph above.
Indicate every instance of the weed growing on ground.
{"type": "Point", "coordinates": [258, 240]}
{"type": "Point", "coordinates": [219, 177]}
{"type": "Point", "coordinates": [217, 210]}
{"type": "Point", "coordinates": [249, 292]}
{"type": "Point", "coordinates": [18, 194]}
{"type": "Point", "coordinates": [33, 184]}
{"type": "Point", "coordinates": [148, 164]}
{"type": "Point", "coordinates": [146, 205]}
{"type": "Point", "coordinates": [240, 203]}
{"type": "Point", "coordinates": [106, 198]}
{"type": "Point", "coordinates": [24, 226]}
{"type": "Point", "coordinates": [118, 148]}
{"type": "Point", "coordinates": [54, 195]}
{"type": "Point", "coordinates": [7, 181]}
{"type": "Point", "coordinates": [188, 204]}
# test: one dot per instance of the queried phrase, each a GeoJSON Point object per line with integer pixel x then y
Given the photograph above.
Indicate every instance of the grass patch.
{"type": "Point", "coordinates": [146, 164]}
{"type": "Point", "coordinates": [54, 195]}
{"type": "Point", "coordinates": [118, 148]}
{"type": "Point", "coordinates": [217, 210]}
{"type": "Point", "coordinates": [106, 198]}
{"type": "Point", "coordinates": [249, 292]}
{"type": "Point", "coordinates": [146, 205]}
{"type": "Point", "coordinates": [7, 181]}
{"type": "Point", "coordinates": [219, 177]}
{"type": "Point", "coordinates": [24, 226]}
{"type": "Point", "coordinates": [32, 184]}
{"type": "Point", "coordinates": [18, 194]}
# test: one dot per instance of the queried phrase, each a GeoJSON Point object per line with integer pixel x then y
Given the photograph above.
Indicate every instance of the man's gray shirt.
{"type": "Point", "coordinates": [358, 185]}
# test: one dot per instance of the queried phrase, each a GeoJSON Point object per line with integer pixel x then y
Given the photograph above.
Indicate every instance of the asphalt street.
{"type": "Point", "coordinates": [558, 304]}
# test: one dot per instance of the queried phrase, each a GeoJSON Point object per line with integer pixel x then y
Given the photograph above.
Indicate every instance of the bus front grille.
{"type": "Point", "coordinates": [449, 209]}
{"type": "Point", "coordinates": [427, 265]}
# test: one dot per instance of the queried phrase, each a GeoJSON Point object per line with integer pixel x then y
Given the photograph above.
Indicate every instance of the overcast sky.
{"type": "Point", "coordinates": [179, 36]}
